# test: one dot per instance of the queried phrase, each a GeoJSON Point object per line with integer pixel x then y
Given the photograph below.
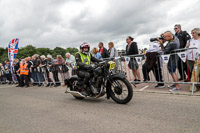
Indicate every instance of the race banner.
{"type": "Point", "coordinates": [116, 58]}
{"type": "Point", "coordinates": [127, 59]}
{"type": "Point", "coordinates": [12, 53]}
{"type": "Point", "coordinates": [139, 60]}
{"type": "Point", "coordinates": [166, 58]}
{"type": "Point", "coordinates": [182, 55]}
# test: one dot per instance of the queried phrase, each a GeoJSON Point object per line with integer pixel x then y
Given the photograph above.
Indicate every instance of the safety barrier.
{"type": "Point", "coordinates": [156, 75]}
{"type": "Point", "coordinates": [162, 76]}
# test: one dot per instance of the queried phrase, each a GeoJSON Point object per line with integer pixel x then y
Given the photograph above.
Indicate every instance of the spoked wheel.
{"type": "Point", "coordinates": [74, 87]}
{"type": "Point", "coordinates": [121, 91]}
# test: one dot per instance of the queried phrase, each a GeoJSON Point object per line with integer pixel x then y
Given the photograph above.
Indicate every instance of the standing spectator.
{"type": "Point", "coordinates": [24, 71]}
{"type": "Point", "coordinates": [30, 63]}
{"type": "Point", "coordinates": [113, 53]}
{"type": "Point", "coordinates": [132, 49]}
{"type": "Point", "coordinates": [183, 37]}
{"type": "Point", "coordinates": [50, 63]}
{"type": "Point", "coordinates": [8, 72]}
{"type": "Point", "coordinates": [103, 51]}
{"type": "Point", "coordinates": [153, 62]}
{"type": "Point", "coordinates": [2, 76]}
{"type": "Point", "coordinates": [43, 67]}
{"type": "Point", "coordinates": [37, 71]}
{"type": "Point", "coordinates": [70, 59]}
{"type": "Point", "coordinates": [33, 71]}
{"type": "Point", "coordinates": [96, 53]}
{"type": "Point", "coordinates": [62, 68]}
{"type": "Point", "coordinates": [16, 73]}
{"type": "Point", "coordinates": [173, 44]}
{"type": "Point", "coordinates": [70, 62]}
{"type": "Point", "coordinates": [45, 71]}
{"type": "Point", "coordinates": [55, 69]}
{"type": "Point", "coordinates": [193, 54]}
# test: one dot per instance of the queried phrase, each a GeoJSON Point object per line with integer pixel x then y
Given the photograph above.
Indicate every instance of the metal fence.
{"type": "Point", "coordinates": [159, 74]}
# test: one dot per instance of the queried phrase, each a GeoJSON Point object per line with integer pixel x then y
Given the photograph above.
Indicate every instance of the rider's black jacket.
{"type": "Point", "coordinates": [81, 65]}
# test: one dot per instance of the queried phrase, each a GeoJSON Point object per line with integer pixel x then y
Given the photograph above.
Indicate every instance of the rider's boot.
{"type": "Point", "coordinates": [94, 90]}
{"type": "Point", "coordinates": [84, 90]}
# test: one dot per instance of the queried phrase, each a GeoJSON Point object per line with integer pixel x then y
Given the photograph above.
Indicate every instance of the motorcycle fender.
{"type": "Point", "coordinates": [71, 79]}
{"type": "Point", "coordinates": [118, 75]}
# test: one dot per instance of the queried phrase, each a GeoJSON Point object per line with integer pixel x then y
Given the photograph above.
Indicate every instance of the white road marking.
{"type": "Point", "coordinates": [144, 88]}
{"type": "Point", "coordinates": [6, 86]}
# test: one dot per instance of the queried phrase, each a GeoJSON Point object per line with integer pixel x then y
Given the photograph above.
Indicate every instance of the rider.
{"type": "Point", "coordinates": [83, 61]}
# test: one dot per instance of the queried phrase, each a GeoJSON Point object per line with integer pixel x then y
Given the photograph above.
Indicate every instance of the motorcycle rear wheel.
{"type": "Point", "coordinates": [72, 88]}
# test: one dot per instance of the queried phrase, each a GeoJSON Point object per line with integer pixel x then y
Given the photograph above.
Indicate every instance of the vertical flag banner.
{"type": "Point", "coordinates": [139, 60]}
{"type": "Point", "coordinates": [182, 55]}
{"type": "Point", "coordinates": [166, 58]}
{"type": "Point", "coordinates": [12, 53]}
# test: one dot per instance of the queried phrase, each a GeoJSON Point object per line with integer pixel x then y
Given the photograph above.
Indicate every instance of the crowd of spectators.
{"type": "Point", "coordinates": [38, 69]}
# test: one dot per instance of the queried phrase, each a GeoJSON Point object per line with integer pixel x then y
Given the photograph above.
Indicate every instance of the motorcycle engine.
{"type": "Point", "coordinates": [97, 82]}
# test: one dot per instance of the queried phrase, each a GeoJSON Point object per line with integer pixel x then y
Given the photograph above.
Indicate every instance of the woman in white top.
{"type": "Point", "coordinates": [113, 53]}
{"type": "Point", "coordinates": [193, 54]}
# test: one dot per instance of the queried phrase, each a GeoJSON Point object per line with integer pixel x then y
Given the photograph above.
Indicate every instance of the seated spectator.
{"type": "Point", "coordinates": [96, 53]}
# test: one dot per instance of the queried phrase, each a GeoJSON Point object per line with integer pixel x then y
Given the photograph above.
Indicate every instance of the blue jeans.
{"type": "Point", "coordinates": [40, 77]}
{"type": "Point", "coordinates": [35, 77]}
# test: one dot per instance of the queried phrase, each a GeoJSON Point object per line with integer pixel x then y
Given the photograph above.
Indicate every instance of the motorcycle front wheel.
{"type": "Point", "coordinates": [120, 90]}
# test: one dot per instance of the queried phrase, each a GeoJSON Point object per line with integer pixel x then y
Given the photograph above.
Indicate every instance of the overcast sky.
{"type": "Point", "coordinates": [67, 23]}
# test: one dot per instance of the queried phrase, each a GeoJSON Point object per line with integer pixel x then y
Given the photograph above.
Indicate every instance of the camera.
{"type": "Point", "coordinates": [156, 39]}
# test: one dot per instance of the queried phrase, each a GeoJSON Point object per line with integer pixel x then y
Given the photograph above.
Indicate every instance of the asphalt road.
{"type": "Point", "coordinates": [50, 110]}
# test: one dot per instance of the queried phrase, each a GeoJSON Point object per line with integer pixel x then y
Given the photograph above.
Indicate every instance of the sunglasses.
{"type": "Point", "coordinates": [192, 32]}
{"type": "Point", "coordinates": [175, 28]}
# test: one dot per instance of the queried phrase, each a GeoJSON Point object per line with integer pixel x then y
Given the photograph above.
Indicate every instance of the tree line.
{"type": "Point", "coordinates": [30, 50]}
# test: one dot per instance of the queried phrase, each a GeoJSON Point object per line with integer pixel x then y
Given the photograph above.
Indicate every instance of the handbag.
{"type": "Point", "coordinates": [65, 68]}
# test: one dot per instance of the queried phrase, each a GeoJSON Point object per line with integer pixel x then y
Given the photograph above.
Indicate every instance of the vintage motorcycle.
{"type": "Point", "coordinates": [106, 81]}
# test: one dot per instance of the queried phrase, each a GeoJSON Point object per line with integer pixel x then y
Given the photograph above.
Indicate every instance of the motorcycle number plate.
{"type": "Point", "coordinates": [112, 65]}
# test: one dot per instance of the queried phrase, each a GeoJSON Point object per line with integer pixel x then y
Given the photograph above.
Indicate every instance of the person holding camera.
{"type": "Point", "coordinates": [172, 44]}
{"type": "Point", "coordinates": [183, 37]}
{"type": "Point", "coordinates": [153, 63]}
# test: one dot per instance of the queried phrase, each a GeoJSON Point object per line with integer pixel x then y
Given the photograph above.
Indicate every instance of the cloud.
{"type": "Point", "coordinates": [67, 23]}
